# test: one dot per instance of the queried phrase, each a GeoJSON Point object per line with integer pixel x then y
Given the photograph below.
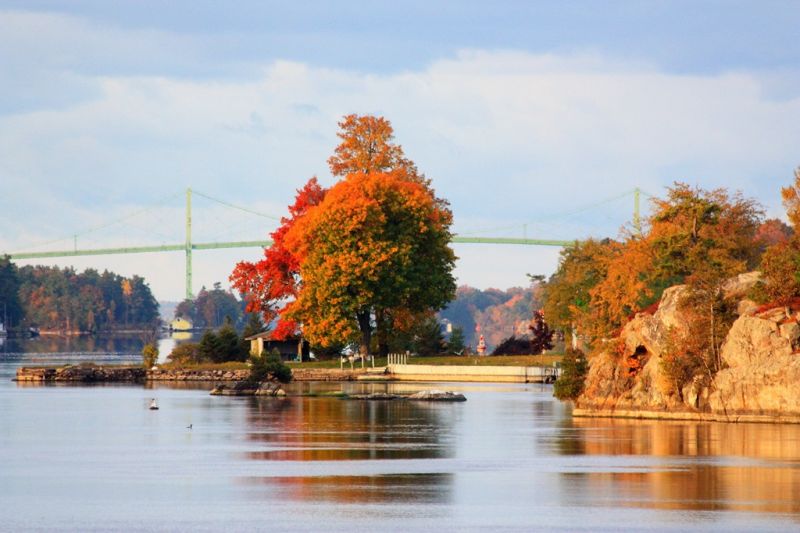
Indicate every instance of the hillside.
{"type": "Point", "coordinates": [498, 313]}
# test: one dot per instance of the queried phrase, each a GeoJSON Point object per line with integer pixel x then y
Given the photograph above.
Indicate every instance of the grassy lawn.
{"type": "Point", "coordinates": [509, 360]}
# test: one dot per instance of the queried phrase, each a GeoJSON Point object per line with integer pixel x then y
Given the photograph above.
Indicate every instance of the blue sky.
{"type": "Point", "coordinates": [520, 112]}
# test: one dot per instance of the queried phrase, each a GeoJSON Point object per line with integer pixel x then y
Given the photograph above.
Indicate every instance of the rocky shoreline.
{"type": "Point", "coordinates": [759, 380]}
{"type": "Point", "coordinates": [135, 374]}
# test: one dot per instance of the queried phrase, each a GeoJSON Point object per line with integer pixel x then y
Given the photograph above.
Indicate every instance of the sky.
{"type": "Point", "coordinates": [533, 119]}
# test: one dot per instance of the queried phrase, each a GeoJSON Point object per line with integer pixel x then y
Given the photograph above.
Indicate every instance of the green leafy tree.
{"type": "Point", "coordinates": [570, 383]}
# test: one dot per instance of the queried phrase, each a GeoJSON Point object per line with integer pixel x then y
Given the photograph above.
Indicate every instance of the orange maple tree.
{"type": "Point", "coordinates": [370, 251]}
{"type": "Point", "coordinates": [377, 245]}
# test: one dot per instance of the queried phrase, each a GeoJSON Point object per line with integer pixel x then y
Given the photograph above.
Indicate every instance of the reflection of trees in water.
{"type": "Point", "coordinates": [77, 344]}
{"type": "Point", "coordinates": [382, 488]}
{"type": "Point", "coordinates": [707, 466]}
{"type": "Point", "coordinates": [331, 429]}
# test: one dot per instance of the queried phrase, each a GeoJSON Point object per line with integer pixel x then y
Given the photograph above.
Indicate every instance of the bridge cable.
{"type": "Point", "coordinates": [102, 226]}
{"type": "Point", "coordinates": [554, 216]}
{"type": "Point", "coordinates": [234, 206]}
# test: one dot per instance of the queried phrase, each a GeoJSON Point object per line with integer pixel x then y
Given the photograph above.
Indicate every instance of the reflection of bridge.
{"type": "Point", "coordinates": [188, 246]}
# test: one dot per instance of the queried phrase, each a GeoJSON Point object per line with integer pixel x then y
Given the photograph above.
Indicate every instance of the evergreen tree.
{"type": "Point", "coordinates": [254, 325]}
{"type": "Point", "coordinates": [428, 339]}
{"type": "Point", "coordinates": [230, 346]}
{"type": "Point", "coordinates": [456, 343]}
{"type": "Point", "coordinates": [211, 347]}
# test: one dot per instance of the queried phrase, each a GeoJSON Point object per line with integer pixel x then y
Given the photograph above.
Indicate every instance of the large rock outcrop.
{"type": "Point", "coordinates": [761, 363]}
{"type": "Point", "coordinates": [763, 368]}
{"type": "Point", "coordinates": [629, 375]}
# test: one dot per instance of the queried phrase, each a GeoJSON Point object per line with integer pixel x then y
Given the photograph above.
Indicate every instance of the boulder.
{"type": "Point", "coordinates": [739, 286]}
{"type": "Point", "coordinates": [668, 313]}
{"type": "Point", "coordinates": [437, 396]}
{"type": "Point", "coordinates": [753, 340]}
{"type": "Point", "coordinates": [763, 373]}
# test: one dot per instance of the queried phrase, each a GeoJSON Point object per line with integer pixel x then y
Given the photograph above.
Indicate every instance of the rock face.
{"type": "Point", "coordinates": [633, 379]}
{"type": "Point", "coordinates": [761, 363]}
{"type": "Point", "coordinates": [763, 373]}
{"type": "Point", "coordinates": [81, 373]}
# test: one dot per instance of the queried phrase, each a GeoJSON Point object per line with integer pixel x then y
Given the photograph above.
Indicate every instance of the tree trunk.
{"type": "Point", "coordinates": [381, 320]}
{"type": "Point", "coordinates": [365, 326]}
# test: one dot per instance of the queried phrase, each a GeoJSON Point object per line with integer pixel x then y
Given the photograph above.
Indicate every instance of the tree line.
{"type": "Point", "coordinates": [212, 308]}
{"type": "Point", "coordinates": [63, 299]}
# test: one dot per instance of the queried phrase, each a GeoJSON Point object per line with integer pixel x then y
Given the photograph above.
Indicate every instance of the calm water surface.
{"type": "Point", "coordinates": [94, 458]}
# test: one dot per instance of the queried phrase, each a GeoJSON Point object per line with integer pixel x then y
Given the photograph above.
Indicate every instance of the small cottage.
{"type": "Point", "coordinates": [289, 348]}
{"type": "Point", "coordinates": [180, 324]}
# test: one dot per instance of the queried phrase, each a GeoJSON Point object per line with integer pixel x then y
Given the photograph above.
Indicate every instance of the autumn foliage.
{"type": "Point", "coordinates": [693, 236]}
{"type": "Point", "coordinates": [360, 257]}
{"type": "Point", "coordinates": [270, 283]}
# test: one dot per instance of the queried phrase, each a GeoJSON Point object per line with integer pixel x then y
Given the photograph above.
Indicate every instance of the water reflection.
{"type": "Point", "coordinates": [698, 466]}
{"type": "Point", "coordinates": [384, 488]}
{"type": "Point", "coordinates": [79, 344]}
{"type": "Point", "coordinates": [332, 432]}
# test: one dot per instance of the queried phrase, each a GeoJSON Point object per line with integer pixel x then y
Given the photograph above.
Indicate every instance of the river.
{"type": "Point", "coordinates": [94, 458]}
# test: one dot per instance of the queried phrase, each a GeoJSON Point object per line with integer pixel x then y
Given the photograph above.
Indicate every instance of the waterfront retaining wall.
{"type": "Point", "coordinates": [498, 374]}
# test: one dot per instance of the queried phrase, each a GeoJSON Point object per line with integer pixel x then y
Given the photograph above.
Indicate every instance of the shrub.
{"type": "Point", "coordinates": [149, 355]}
{"type": "Point", "coordinates": [513, 346]}
{"type": "Point", "coordinates": [267, 366]}
{"type": "Point", "coordinates": [573, 375]}
{"type": "Point", "coordinates": [183, 354]}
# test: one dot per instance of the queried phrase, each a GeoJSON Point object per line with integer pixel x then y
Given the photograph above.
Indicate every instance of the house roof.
{"type": "Point", "coordinates": [266, 335]}
{"type": "Point", "coordinates": [262, 335]}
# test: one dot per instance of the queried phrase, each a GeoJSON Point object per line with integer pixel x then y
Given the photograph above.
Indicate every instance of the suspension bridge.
{"type": "Point", "coordinates": [188, 246]}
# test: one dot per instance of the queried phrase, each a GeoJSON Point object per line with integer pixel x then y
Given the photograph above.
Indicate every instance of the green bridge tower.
{"type": "Point", "coordinates": [188, 246]}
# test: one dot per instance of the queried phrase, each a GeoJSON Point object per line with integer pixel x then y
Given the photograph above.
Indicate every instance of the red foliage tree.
{"type": "Point", "coordinates": [269, 284]}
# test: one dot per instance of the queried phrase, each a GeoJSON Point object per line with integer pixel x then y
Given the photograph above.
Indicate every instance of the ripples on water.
{"type": "Point", "coordinates": [95, 458]}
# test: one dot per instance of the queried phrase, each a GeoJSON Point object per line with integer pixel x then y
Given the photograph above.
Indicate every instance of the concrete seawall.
{"type": "Point", "coordinates": [496, 374]}
{"type": "Point", "coordinates": [90, 374]}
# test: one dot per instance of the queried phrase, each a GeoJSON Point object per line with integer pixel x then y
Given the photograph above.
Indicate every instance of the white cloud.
{"type": "Point", "coordinates": [509, 137]}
